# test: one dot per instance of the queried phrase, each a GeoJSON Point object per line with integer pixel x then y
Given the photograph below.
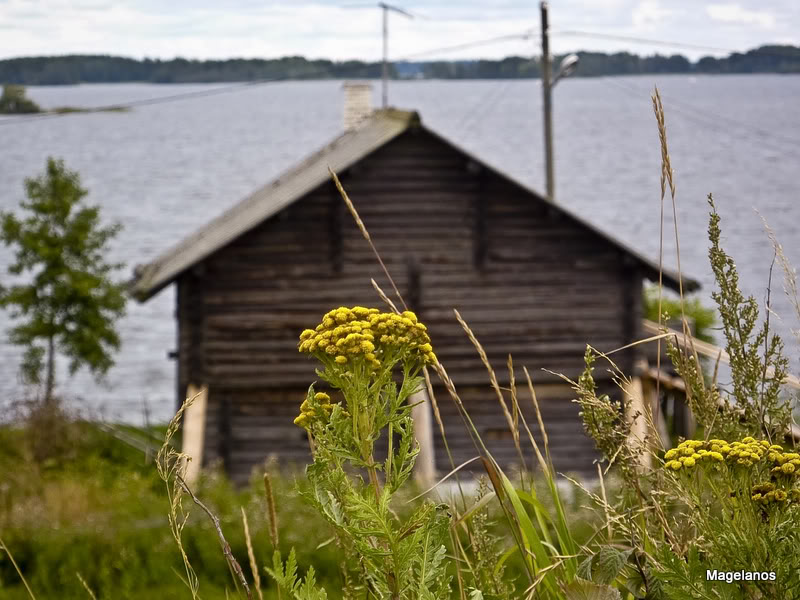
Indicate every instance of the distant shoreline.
{"type": "Point", "coordinates": [343, 79]}
{"type": "Point", "coordinates": [81, 69]}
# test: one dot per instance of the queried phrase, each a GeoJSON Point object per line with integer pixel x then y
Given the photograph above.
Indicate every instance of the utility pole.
{"type": "Point", "coordinates": [385, 73]}
{"type": "Point", "coordinates": [385, 77]}
{"type": "Point", "coordinates": [547, 104]}
{"type": "Point", "coordinates": [385, 8]}
{"type": "Point", "coordinates": [566, 68]}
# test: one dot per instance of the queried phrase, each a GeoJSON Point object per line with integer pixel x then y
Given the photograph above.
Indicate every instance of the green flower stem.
{"type": "Point", "coordinates": [389, 455]}
{"type": "Point", "coordinates": [373, 477]}
{"type": "Point", "coordinates": [361, 349]}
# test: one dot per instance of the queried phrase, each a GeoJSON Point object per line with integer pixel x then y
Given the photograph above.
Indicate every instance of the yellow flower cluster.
{"type": "Point", "coordinates": [309, 413]}
{"type": "Point", "coordinates": [350, 334]}
{"type": "Point", "coordinates": [745, 453]}
{"type": "Point", "coordinates": [692, 452]}
{"type": "Point", "coordinates": [748, 452]}
{"type": "Point", "coordinates": [786, 463]}
{"type": "Point", "coordinates": [767, 493]}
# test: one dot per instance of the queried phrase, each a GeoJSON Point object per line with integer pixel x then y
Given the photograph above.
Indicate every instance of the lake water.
{"type": "Point", "coordinates": [164, 170]}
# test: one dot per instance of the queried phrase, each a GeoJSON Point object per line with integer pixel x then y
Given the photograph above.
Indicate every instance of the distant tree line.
{"type": "Point", "coordinates": [56, 70]}
{"type": "Point", "coordinates": [766, 59]}
{"type": "Point", "coordinates": [72, 69]}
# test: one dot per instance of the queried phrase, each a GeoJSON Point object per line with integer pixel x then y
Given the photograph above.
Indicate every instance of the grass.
{"type": "Point", "coordinates": [99, 511]}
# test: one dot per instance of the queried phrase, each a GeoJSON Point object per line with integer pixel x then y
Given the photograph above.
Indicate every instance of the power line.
{"type": "Point", "coordinates": [502, 38]}
{"type": "Point", "coordinates": [654, 42]}
{"type": "Point", "coordinates": [638, 40]}
{"type": "Point", "coordinates": [147, 101]}
{"type": "Point", "coordinates": [720, 122]}
{"type": "Point", "coordinates": [485, 103]}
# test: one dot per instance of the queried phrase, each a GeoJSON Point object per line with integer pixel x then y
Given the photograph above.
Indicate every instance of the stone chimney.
{"type": "Point", "coordinates": [357, 103]}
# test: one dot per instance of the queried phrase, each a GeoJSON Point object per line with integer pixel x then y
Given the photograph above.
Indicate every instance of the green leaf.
{"type": "Point", "coordinates": [532, 541]}
{"type": "Point", "coordinates": [634, 583]}
{"type": "Point", "coordinates": [607, 564]}
{"type": "Point", "coordinates": [476, 507]}
{"type": "Point", "coordinates": [475, 594]}
{"type": "Point", "coordinates": [585, 568]}
{"type": "Point", "coordinates": [581, 589]}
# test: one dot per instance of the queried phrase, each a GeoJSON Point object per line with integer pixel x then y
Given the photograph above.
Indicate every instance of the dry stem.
{"type": "Point", "coordinates": [273, 517]}
{"type": "Point", "coordinates": [226, 548]}
{"type": "Point", "coordinates": [365, 233]}
{"type": "Point", "coordinates": [251, 555]}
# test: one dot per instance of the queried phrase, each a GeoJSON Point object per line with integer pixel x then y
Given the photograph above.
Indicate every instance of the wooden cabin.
{"type": "Point", "coordinates": [530, 278]}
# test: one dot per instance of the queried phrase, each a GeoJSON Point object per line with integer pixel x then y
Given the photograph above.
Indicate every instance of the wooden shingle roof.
{"type": "Point", "coordinates": [340, 154]}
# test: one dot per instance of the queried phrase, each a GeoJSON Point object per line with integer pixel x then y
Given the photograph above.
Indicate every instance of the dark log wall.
{"type": "Point", "coordinates": [529, 281]}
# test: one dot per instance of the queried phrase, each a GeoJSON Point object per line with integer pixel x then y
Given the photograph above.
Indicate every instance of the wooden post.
{"type": "Point", "coordinates": [638, 404]}
{"type": "Point", "coordinates": [194, 427]}
{"type": "Point", "coordinates": [650, 424]}
{"type": "Point", "coordinates": [425, 468]}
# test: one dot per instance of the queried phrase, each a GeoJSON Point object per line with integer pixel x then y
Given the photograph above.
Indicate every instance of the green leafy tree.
{"type": "Point", "coordinates": [70, 303]}
{"type": "Point", "coordinates": [703, 318]}
{"type": "Point", "coordinates": [14, 101]}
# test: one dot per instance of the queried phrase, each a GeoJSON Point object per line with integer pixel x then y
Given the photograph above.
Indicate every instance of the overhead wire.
{"type": "Point", "coordinates": [719, 122]}
{"type": "Point", "coordinates": [657, 42]}
{"type": "Point", "coordinates": [524, 35]}
{"type": "Point", "coordinates": [639, 40]}
{"type": "Point", "coordinates": [480, 108]}
{"type": "Point", "coordinates": [146, 101]}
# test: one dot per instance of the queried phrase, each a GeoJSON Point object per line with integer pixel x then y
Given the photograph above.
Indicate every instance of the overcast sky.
{"type": "Point", "coordinates": [331, 29]}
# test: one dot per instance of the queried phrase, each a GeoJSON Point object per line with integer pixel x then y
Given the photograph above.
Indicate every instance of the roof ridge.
{"type": "Point", "coordinates": [348, 147]}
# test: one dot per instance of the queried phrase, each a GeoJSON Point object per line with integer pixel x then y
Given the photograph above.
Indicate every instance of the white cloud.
{"type": "Point", "coordinates": [733, 13]}
{"type": "Point", "coordinates": [322, 28]}
{"type": "Point", "coordinates": [314, 30]}
{"type": "Point", "coordinates": [648, 14]}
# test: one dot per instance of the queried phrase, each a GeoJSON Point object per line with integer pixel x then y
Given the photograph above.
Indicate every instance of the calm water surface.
{"type": "Point", "coordinates": [165, 170]}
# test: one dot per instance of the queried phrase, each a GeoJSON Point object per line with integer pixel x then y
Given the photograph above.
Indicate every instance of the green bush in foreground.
{"type": "Point", "coordinates": [718, 515]}
{"type": "Point", "coordinates": [100, 511]}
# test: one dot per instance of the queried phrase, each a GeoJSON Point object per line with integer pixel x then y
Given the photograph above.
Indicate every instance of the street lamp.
{"type": "Point", "coordinates": [566, 68]}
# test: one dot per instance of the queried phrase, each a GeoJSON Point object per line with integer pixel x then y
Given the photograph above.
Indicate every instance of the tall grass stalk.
{"type": "Point", "coordinates": [85, 586]}
{"type": "Point", "coordinates": [251, 556]}
{"type": "Point", "coordinates": [171, 464]}
{"type": "Point", "coordinates": [5, 549]}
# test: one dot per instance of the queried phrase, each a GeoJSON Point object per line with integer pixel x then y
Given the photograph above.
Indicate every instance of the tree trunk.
{"type": "Point", "coordinates": [51, 360]}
